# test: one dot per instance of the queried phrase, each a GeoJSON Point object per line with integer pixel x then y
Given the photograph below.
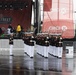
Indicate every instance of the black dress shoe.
{"type": "Point", "coordinates": [46, 57]}
{"type": "Point", "coordinates": [25, 52]}
{"type": "Point", "coordinates": [60, 57]}
{"type": "Point", "coordinates": [11, 55]}
{"type": "Point", "coordinates": [31, 57]}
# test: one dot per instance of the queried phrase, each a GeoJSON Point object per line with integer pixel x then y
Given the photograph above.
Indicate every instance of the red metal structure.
{"type": "Point", "coordinates": [58, 17]}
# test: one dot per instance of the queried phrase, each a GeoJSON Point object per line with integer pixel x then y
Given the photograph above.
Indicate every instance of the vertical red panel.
{"type": "Point", "coordinates": [59, 18]}
{"type": "Point", "coordinates": [47, 5]}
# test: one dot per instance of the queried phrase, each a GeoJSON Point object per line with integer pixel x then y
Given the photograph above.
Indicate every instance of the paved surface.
{"type": "Point", "coordinates": [24, 65]}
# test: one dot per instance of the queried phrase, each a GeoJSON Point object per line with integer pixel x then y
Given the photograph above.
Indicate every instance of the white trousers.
{"type": "Point", "coordinates": [29, 50]}
{"type": "Point", "coordinates": [54, 50]}
{"type": "Point", "coordinates": [46, 50]}
{"type": "Point", "coordinates": [42, 50]}
{"type": "Point", "coordinates": [25, 48]}
{"type": "Point", "coordinates": [51, 51]}
{"type": "Point", "coordinates": [38, 49]}
{"type": "Point", "coordinates": [11, 49]}
{"type": "Point", "coordinates": [60, 52]}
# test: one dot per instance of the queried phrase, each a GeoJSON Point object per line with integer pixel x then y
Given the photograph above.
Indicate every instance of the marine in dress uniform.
{"type": "Point", "coordinates": [51, 49]}
{"type": "Point", "coordinates": [29, 45]}
{"type": "Point", "coordinates": [37, 39]}
{"type": "Point", "coordinates": [54, 45]}
{"type": "Point", "coordinates": [42, 44]}
{"type": "Point", "coordinates": [46, 47]}
{"type": "Point", "coordinates": [60, 48]}
{"type": "Point", "coordinates": [57, 46]}
{"type": "Point", "coordinates": [25, 39]}
{"type": "Point", "coordinates": [11, 44]}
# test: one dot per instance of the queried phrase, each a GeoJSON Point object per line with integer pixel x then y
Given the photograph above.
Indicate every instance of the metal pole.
{"type": "Point", "coordinates": [37, 12]}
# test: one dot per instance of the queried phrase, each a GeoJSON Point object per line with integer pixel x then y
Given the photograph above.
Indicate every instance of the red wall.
{"type": "Point", "coordinates": [22, 17]}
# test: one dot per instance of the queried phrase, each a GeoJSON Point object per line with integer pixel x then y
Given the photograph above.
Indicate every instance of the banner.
{"type": "Point", "coordinates": [58, 17]}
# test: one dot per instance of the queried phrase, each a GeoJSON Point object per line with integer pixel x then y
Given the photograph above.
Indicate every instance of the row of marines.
{"type": "Point", "coordinates": [42, 43]}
